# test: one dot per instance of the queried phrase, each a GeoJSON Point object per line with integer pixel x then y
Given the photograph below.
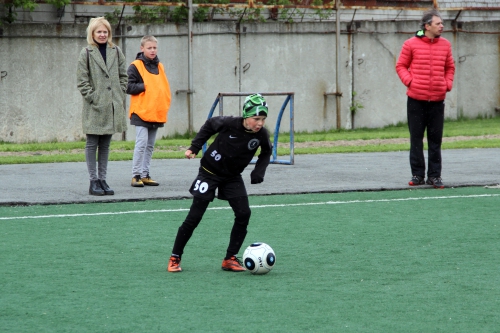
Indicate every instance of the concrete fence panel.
{"type": "Point", "coordinates": [39, 101]}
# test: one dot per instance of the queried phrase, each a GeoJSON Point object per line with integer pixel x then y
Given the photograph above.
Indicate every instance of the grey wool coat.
{"type": "Point", "coordinates": [103, 87]}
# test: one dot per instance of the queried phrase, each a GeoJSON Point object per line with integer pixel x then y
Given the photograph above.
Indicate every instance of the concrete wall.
{"type": "Point", "coordinates": [462, 10]}
{"type": "Point", "coordinates": [39, 101]}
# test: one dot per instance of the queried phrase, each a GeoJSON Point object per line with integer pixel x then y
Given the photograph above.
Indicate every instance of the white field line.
{"type": "Point", "coordinates": [253, 207]}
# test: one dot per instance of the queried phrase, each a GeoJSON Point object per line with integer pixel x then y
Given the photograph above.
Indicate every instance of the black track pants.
{"type": "Point", "coordinates": [241, 209]}
{"type": "Point", "coordinates": [423, 116]}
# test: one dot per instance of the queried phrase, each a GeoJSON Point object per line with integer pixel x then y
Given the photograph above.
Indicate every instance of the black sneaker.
{"type": "Point", "coordinates": [435, 181]}
{"type": "Point", "coordinates": [416, 180]}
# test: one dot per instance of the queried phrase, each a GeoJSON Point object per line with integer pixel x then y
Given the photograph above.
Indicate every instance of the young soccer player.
{"type": "Point", "coordinates": [149, 105]}
{"type": "Point", "coordinates": [220, 168]}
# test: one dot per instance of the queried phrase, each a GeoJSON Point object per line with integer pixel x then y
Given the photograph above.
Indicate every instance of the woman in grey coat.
{"type": "Point", "coordinates": [102, 81]}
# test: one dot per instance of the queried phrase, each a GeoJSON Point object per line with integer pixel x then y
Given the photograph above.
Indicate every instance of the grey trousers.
{"type": "Point", "coordinates": [97, 144]}
{"type": "Point", "coordinates": [145, 139]}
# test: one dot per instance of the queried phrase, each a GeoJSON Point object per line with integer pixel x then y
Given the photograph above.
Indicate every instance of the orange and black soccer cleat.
{"type": "Point", "coordinates": [233, 264]}
{"type": "Point", "coordinates": [174, 264]}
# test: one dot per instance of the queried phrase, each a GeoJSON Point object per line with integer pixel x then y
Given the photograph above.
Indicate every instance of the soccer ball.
{"type": "Point", "coordinates": [259, 258]}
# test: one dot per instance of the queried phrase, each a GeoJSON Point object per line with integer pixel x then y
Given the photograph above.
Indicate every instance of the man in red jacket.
{"type": "Point", "coordinates": [426, 67]}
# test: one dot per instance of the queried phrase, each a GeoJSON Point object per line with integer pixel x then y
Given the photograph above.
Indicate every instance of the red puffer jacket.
{"type": "Point", "coordinates": [426, 67]}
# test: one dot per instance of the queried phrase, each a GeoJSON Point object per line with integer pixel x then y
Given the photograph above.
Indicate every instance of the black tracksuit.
{"type": "Point", "coordinates": [221, 167]}
{"type": "Point", "coordinates": [235, 145]}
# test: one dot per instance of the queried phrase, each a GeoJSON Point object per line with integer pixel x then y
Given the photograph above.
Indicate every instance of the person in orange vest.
{"type": "Point", "coordinates": [149, 104]}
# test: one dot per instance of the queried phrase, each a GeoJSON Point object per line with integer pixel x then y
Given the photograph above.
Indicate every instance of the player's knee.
{"type": "Point", "coordinates": [242, 216]}
{"type": "Point", "coordinates": [196, 212]}
{"type": "Point", "coordinates": [191, 222]}
{"type": "Point", "coordinates": [186, 230]}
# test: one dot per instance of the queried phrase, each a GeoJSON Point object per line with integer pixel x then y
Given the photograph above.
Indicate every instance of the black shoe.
{"type": "Point", "coordinates": [105, 187]}
{"type": "Point", "coordinates": [95, 188]}
{"type": "Point", "coordinates": [435, 181]}
{"type": "Point", "coordinates": [416, 180]}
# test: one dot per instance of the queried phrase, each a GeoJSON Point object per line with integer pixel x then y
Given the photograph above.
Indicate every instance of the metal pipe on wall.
{"type": "Point", "coordinates": [338, 95]}
{"type": "Point", "coordinates": [190, 67]}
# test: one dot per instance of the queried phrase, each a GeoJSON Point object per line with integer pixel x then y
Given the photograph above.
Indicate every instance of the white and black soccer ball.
{"type": "Point", "coordinates": [259, 258]}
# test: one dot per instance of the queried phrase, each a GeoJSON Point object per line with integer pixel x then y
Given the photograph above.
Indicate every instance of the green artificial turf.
{"type": "Point", "coordinates": [393, 261]}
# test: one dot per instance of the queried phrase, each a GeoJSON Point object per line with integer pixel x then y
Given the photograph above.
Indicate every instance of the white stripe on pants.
{"type": "Point", "coordinates": [145, 138]}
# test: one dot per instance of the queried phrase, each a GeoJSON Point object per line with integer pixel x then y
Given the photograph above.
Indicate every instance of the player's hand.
{"type": "Point", "coordinates": [256, 180]}
{"type": "Point", "coordinates": [189, 154]}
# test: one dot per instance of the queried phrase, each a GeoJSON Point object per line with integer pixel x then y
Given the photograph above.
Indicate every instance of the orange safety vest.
{"type": "Point", "coordinates": [151, 105]}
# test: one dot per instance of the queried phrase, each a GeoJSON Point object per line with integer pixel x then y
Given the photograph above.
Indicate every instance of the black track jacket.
{"type": "Point", "coordinates": [233, 149]}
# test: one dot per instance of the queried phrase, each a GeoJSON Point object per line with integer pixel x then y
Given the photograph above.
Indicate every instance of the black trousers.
{"type": "Point", "coordinates": [422, 116]}
{"type": "Point", "coordinates": [241, 209]}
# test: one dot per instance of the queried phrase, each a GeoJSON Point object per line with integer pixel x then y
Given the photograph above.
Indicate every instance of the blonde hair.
{"type": "Point", "coordinates": [148, 38]}
{"type": "Point", "coordinates": [93, 25]}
